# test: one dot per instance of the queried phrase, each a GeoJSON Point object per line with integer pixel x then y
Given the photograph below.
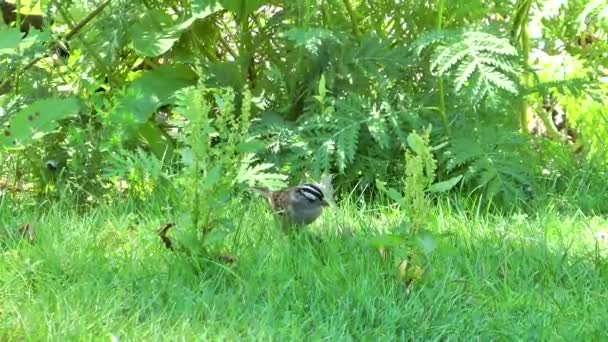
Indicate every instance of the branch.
{"type": "Point", "coordinates": [75, 30]}
{"type": "Point", "coordinates": [353, 18]}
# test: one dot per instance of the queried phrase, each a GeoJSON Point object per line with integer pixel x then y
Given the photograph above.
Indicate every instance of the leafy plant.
{"type": "Point", "coordinates": [480, 64]}
{"type": "Point", "coordinates": [496, 162]}
{"type": "Point", "coordinates": [411, 242]}
{"type": "Point", "coordinates": [218, 157]}
{"type": "Point", "coordinates": [37, 120]}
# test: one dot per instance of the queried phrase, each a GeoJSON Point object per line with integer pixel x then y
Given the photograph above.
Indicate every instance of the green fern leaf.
{"type": "Point", "coordinates": [464, 74]}
{"type": "Point", "coordinates": [378, 130]}
{"type": "Point", "coordinates": [346, 146]}
{"type": "Point", "coordinates": [481, 62]}
{"type": "Point", "coordinates": [492, 161]}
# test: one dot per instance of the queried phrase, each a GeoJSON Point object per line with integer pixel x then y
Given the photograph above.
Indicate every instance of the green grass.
{"type": "Point", "coordinates": [105, 274]}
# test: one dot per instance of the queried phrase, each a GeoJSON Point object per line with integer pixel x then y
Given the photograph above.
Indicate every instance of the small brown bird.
{"type": "Point", "coordinates": [298, 205]}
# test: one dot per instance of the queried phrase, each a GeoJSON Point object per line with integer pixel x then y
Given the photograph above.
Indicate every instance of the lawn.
{"type": "Point", "coordinates": [103, 274]}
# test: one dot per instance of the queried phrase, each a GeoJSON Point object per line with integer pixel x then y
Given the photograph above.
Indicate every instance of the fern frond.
{"type": "Point", "coordinates": [479, 61]}
{"type": "Point", "coordinates": [447, 58]}
{"type": "Point", "coordinates": [492, 161]}
{"type": "Point", "coordinates": [378, 129]}
{"type": "Point", "coordinates": [431, 39]}
{"type": "Point", "coordinates": [465, 71]}
{"type": "Point", "coordinates": [346, 144]}
{"type": "Point", "coordinates": [322, 158]}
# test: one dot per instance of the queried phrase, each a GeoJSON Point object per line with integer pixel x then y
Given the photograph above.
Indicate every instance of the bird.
{"type": "Point", "coordinates": [300, 205]}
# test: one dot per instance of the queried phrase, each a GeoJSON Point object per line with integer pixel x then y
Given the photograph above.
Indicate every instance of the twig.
{"type": "Point", "coordinates": [67, 37]}
{"type": "Point", "coordinates": [162, 233]}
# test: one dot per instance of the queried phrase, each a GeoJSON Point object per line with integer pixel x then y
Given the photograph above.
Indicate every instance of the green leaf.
{"type": "Point", "coordinates": [204, 8]}
{"type": "Point", "coordinates": [311, 39]}
{"type": "Point", "coordinates": [9, 40]}
{"type": "Point", "coordinates": [440, 146]}
{"type": "Point", "coordinates": [426, 242]}
{"type": "Point", "coordinates": [445, 185]}
{"type": "Point", "coordinates": [322, 89]}
{"type": "Point", "coordinates": [213, 176]}
{"type": "Point", "coordinates": [387, 240]}
{"type": "Point", "coordinates": [154, 34]}
{"type": "Point", "coordinates": [251, 146]}
{"type": "Point", "coordinates": [156, 88]}
{"type": "Point", "coordinates": [392, 193]}
{"type": "Point", "coordinates": [160, 144]}
{"type": "Point", "coordinates": [35, 38]}
{"type": "Point", "coordinates": [216, 237]}
{"type": "Point", "coordinates": [30, 7]}
{"type": "Point", "coordinates": [346, 144]}
{"type": "Point", "coordinates": [39, 117]}
{"type": "Point", "coordinates": [242, 7]}
{"type": "Point", "coordinates": [416, 143]}
{"type": "Point", "coordinates": [225, 74]}
{"type": "Point", "coordinates": [259, 174]}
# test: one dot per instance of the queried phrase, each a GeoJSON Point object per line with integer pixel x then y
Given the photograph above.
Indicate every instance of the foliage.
{"type": "Point", "coordinates": [172, 108]}
{"type": "Point", "coordinates": [412, 238]}
{"type": "Point", "coordinates": [496, 163]}
{"type": "Point", "coordinates": [36, 120]}
{"type": "Point", "coordinates": [334, 85]}
{"type": "Point", "coordinates": [479, 63]}
{"type": "Point", "coordinates": [216, 151]}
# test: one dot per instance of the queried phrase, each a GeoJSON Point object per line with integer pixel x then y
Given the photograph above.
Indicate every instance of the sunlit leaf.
{"type": "Point", "coordinates": [9, 40]}
{"type": "Point", "coordinates": [154, 34]}
{"type": "Point", "coordinates": [39, 117]}
{"type": "Point", "coordinates": [157, 140]}
{"type": "Point", "coordinates": [203, 8]}
{"type": "Point", "coordinates": [156, 88]}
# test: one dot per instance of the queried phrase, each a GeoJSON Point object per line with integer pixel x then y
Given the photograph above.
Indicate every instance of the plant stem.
{"type": "Point", "coordinates": [245, 53]}
{"type": "Point", "coordinates": [524, 38]}
{"type": "Point", "coordinates": [353, 18]}
{"type": "Point", "coordinates": [442, 110]}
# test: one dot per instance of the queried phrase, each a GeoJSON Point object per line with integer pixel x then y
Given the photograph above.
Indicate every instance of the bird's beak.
{"type": "Point", "coordinates": [324, 203]}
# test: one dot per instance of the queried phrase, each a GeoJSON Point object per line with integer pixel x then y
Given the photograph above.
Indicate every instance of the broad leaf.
{"type": "Point", "coordinates": [159, 142]}
{"type": "Point", "coordinates": [415, 143]}
{"type": "Point", "coordinates": [392, 193]}
{"type": "Point", "coordinates": [30, 7]}
{"type": "Point", "coordinates": [154, 34]}
{"type": "Point", "coordinates": [426, 242]}
{"type": "Point", "coordinates": [203, 8]}
{"type": "Point", "coordinates": [9, 40]}
{"type": "Point", "coordinates": [38, 119]}
{"type": "Point", "coordinates": [251, 146]}
{"type": "Point", "coordinates": [156, 88]}
{"type": "Point", "coordinates": [445, 185]}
